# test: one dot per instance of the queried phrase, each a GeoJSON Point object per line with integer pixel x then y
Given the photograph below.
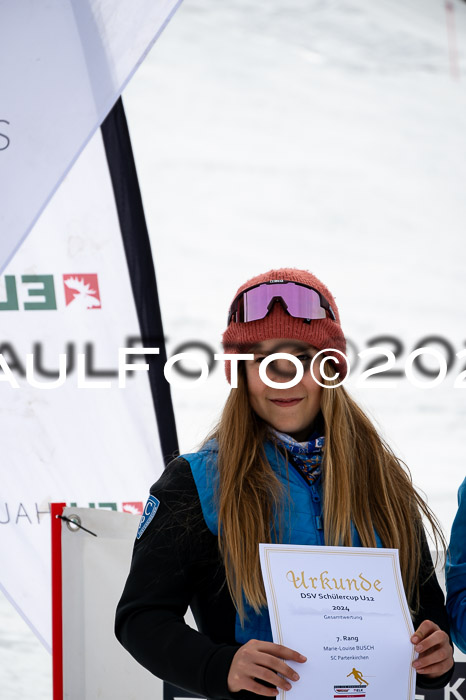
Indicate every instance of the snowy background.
{"type": "Point", "coordinates": [323, 134]}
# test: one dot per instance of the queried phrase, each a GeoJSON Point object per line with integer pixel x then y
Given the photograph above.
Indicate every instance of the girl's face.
{"type": "Point", "coordinates": [290, 411]}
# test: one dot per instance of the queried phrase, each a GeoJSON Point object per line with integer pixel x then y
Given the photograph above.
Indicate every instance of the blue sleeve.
{"type": "Point", "coordinates": [456, 573]}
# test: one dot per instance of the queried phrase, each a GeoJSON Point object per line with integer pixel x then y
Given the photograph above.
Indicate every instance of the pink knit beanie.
{"type": "Point", "coordinates": [321, 333]}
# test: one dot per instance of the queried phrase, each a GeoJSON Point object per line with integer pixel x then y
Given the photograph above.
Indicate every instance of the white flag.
{"type": "Point", "coordinates": [64, 64]}
{"type": "Point", "coordinates": [68, 292]}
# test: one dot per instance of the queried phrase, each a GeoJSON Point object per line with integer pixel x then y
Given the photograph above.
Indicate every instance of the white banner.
{"type": "Point", "coordinates": [68, 292]}
{"type": "Point", "coordinates": [65, 62]}
{"type": "Point", "coordinates": [94, 571]}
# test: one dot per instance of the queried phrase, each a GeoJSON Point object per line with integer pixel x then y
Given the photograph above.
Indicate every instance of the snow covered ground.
{"type": "Point", "coordinates": [324, 134]}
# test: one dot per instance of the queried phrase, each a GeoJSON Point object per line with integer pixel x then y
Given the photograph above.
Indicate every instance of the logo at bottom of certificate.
{"type": "Point", "coordinates": [352, 691]}
{"type": "Point", "coordinates": [349, 691]}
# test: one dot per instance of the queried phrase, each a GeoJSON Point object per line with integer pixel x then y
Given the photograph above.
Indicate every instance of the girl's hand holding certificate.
{"type": "Point", "coordinates": [264, 661]}
{"type": "Point", "coordinates": [434, 648]}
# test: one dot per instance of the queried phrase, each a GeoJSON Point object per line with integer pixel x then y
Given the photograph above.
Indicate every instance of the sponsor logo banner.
{"type": "Point", "coordinates": [94, 448]}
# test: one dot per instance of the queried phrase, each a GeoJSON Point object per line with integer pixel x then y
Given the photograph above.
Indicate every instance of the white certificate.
{"type": "Point", "coordinates": [345, 609]}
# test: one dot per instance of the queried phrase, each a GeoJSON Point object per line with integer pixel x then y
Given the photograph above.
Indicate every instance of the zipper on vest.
{"type": "Point", "coordinates": [317, 512]}
{"type": "Point", "coordinates": [315, 499]}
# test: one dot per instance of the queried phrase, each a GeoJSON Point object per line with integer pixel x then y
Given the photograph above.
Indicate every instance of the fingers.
{"type": "Point", "coordinates": [270, 666]}
{"type": "Point", "coordinates": [273, 678]}
{"type": "Point", "coordinates": [281, 651]}
{"type": "Point", "coordinates": [433, 670]}
{"type": "Point", "coordinates": [263, 661]}
{"type": "Point", "coordinates": [437, 638]}
{"type": "Point", "coordinates": [425, 628]}
{"type": "Point", "coordinates": [434, 648]}
{"type": "Point", "coordinates": [260, 689]}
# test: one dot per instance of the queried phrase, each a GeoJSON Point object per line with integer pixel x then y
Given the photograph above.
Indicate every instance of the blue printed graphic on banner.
{"type": "Point", "coordinates": [150, 509]}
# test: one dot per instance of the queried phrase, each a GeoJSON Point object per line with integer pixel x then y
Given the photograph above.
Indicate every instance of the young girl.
{"type": "Point", "coordinates": [301, 465]}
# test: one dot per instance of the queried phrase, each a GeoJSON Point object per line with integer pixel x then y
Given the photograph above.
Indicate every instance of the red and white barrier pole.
{"type": "Point", "coordinates": [56, 509]}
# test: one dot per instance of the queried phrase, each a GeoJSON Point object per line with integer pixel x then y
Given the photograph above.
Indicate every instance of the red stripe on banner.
{"type": "Point", "coordinates": [57, 602]}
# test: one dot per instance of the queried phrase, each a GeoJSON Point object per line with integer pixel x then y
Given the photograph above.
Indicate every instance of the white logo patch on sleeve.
{"type": "Point", "coordinates": [150, 509]}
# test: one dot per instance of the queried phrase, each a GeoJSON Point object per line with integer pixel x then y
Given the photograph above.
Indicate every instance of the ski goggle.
{"type": "Point", "coordinates": [297, 300]}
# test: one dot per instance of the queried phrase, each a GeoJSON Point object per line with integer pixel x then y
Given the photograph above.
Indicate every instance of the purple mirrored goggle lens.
{"type": "Point", "coordinates": [299, 301]}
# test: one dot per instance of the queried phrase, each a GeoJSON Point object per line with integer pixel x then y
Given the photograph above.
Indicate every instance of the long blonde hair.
{"type": "Point", "coordinates": [364, 483]}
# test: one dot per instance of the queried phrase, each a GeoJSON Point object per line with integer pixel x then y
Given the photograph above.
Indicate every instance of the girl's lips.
{"type": "Point", "coordinates": [285, 402]}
